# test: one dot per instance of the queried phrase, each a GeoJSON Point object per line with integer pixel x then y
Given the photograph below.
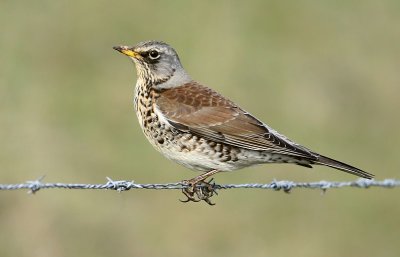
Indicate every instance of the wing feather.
{"type": "Point", "coordinates": [202, 111]}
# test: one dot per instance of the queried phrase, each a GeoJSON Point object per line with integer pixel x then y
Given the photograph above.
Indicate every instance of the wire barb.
{"type": "Point", "coordinates": [124, 185]}
{"type": "Point", "coordinates": [121, 185]}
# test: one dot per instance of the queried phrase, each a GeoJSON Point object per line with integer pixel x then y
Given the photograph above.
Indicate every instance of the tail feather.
{"type": "Point", "coordinates": [323, 160]}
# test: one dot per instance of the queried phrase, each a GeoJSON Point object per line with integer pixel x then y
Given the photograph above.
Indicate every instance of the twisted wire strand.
{"type": "Point", "coordinates": [124, 185]}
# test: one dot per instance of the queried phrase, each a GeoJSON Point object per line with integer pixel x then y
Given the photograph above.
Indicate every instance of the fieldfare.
{"type": "Point", "coordinates": [199, 128]}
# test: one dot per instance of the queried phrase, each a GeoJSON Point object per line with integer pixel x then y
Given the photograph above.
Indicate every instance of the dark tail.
{"type": "Point", "coordinates": [323, 160]}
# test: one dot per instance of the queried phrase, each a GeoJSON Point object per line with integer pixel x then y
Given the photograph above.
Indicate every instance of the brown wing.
{"type": "Point", "coordinates": [202, 111]}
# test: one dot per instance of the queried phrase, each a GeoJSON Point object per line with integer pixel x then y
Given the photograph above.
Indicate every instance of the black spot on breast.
{"type": "Point", "coordinates": [184, 148]}
{"type": "Point", "coordinates": [226, 158]}
{"type": "Point", "coordinates": [148, 113]}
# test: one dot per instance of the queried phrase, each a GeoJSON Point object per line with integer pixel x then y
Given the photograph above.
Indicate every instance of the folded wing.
{"type": "Point", "coordinates": [202, 111]}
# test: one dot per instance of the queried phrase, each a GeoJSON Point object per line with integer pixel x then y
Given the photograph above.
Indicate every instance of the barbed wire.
{"type": "Point", "coordinates": [124, 185]}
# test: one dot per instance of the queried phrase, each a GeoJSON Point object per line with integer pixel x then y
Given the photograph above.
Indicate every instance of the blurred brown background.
{"type": "Point", "coordinates": [325, 73]}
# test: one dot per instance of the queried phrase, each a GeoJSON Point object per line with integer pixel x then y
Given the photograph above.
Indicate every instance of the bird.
{"type": "Point", "coordinates": [201, 129]}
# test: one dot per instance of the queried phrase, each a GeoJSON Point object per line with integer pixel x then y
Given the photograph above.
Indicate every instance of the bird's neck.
{"type": "Point", "coordinates": [145, 84]}
{"type": "Point", "coordinates": [143, 87]}
{"type": "Point", "coordinates": [175, 79]}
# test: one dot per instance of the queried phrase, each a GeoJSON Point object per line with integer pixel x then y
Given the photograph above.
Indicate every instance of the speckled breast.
{"type": "Point", "coordinates": [189, 150]}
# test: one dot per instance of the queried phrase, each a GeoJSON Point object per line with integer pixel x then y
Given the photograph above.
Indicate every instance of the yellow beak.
{"type": "Point", "coordinates": [127, 51]}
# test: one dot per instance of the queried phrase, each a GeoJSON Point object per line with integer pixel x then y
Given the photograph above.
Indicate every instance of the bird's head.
{"type": "Point", "coordinates": [156, 63]}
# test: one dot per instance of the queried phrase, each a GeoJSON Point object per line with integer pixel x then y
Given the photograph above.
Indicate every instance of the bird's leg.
{"type": "Point", "coordinates": [201, 191]}
{"type": "Point", "coordinates": [198, 189]}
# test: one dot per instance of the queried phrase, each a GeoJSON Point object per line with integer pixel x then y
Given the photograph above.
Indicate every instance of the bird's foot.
{"type": "Point", "coordinates": [197, 189]}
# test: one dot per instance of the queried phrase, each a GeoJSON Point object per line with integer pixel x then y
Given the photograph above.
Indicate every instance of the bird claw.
{"type": "Point", "coordinates": [197, 191]}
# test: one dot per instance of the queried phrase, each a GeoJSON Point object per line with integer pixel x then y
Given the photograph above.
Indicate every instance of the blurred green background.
{"type": "Point", "coordinates": [325, 73]}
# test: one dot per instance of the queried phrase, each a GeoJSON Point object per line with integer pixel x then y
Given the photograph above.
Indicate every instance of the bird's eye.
{"type": "Point", "coordinates": [154, 54]}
